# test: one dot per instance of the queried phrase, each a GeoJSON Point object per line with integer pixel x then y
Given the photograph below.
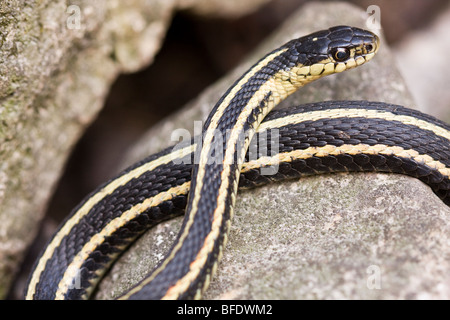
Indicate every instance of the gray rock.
{"type": "Point", "coordinates": [345, 236]}
{"type": "Point", "coordinates": [419, 56]}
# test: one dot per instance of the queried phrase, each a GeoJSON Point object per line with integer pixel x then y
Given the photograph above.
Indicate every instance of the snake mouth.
{"type": "Point", "coordinates": [377, 43]}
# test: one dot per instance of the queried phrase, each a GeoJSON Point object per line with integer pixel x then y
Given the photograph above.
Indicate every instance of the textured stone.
{"type": "Point", "coordinates": [344, 236]}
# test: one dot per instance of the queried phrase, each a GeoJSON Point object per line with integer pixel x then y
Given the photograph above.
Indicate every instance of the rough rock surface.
{"type": "Point", "coordinates": [346, 236]}
{"type": "Point", "coordinates": [57, 62]}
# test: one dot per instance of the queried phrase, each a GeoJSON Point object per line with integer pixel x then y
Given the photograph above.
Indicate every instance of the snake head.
{"type": "Point", "coordinates": [351, 46]}
{"type": "Point", "coordinates": [335, 49]}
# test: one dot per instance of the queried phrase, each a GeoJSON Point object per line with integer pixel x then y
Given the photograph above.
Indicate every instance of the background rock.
{"type": "Point", "coordinates": [423, 63]}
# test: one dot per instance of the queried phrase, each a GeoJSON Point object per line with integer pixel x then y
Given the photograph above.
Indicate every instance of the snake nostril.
{"type": "Point", "coordinates": [369, 48]}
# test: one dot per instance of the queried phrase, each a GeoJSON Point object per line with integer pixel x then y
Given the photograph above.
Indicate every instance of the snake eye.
{"type": "Point", "coordinates": [341, 54]}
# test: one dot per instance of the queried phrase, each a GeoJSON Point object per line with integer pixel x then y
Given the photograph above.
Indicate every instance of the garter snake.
{"type": "Point", "coordinates": [156, 188]}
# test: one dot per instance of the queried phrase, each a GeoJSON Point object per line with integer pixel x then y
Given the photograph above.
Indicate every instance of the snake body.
{"type": "Point", "coordinates": [347, 136]}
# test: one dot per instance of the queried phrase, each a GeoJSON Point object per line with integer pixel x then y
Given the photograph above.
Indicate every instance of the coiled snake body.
{"type": "Point", "coordinates": [317, 138]}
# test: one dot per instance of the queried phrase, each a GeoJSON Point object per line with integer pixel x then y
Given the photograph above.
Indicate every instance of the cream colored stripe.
{"type": "Point", "coordinates": [115, 224]}
{"type": "Point", "coordinates": [354, 113]}
{"type": "Point", "coordinates": [204, 157]}
{"type": "Point", "coordinates": [236, 133]}
{"type": "Point", "coordinates": [108, 189]}
{"type": "Point", "coordinates": [330, 150]}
